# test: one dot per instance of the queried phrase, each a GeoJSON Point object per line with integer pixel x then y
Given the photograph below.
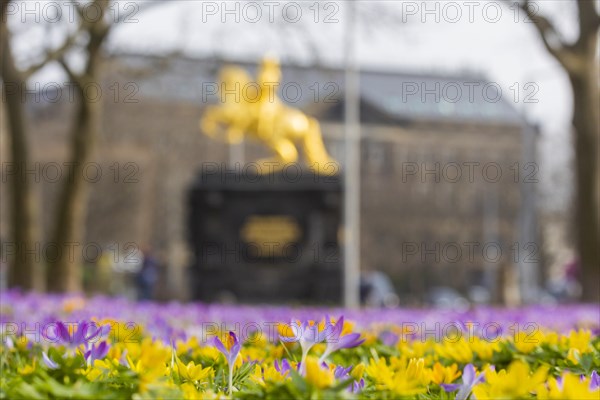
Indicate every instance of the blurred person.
{"type": "Point", "coordinates": [567, 286]}
{"type": "Point", "coordinates": [377, 290]}
{"type": "Point", "coordinates": [147, 276]}
{"type": "Point", "coordinates": [447, 298]}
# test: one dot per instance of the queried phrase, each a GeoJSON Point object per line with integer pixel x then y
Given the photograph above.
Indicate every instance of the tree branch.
{"type": "Point", "coordinates": [561, 51]}
{"type": "Point", "coordinates": [53, 55]}
{"type": "Point", "coordinates": [78, 79]}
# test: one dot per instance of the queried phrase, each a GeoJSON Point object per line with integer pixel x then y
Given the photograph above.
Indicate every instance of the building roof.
{"type": "Point", "coordinates": [388, 96]}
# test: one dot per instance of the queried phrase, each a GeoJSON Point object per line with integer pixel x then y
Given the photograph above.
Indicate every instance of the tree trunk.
{"type": "Point", "coordinates": [586, 122]}
{"type": "Point", "coordinates": [65, 271]}
{"type": "Point", "coordinates": [25, 250]}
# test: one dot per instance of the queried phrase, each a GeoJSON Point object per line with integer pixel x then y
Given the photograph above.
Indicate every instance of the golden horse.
{"type": "Point", "coordinates": [252, 109]}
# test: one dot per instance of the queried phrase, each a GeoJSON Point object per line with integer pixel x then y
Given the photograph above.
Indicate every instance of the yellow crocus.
{"type": "Point", "coordinates": [191, 393]}
{"type": "Point", "coordinates": [379, 371]}
{"type": "Point", "coordinates": [401, 377]}
{"type": "Point", "coordinates": [483, 348]}
{"type": "Point", "coordinates": [581, 340]}
{"type": "Point", "coordinates": [107, 367]}
{"type": "Point", "coordinates": [317, 376]}
{"type": "Point", "coordinates": [27, 369]}
{"type": "Point", "coordinates": [358, 371]}
{"type": "Point", "coordinates": [192, 372]}
{"type": "Point", "coordinates": [414, 349]}
{"type": "Point", "coordinates": [256, 376]}
{"type": "Point", "coordinates": [149, 360]}
{"type": "Point", "coordinates": [572, 388]}
{"type": "Point", "coordinates": [441, 374]}
{"type": "Point", "coordinates": [514, 383]}
{"type": "Point", "coordinates": [207, 352]}
{"type": "Point", "coordinates": [253, 353]}
{"type": "Point", "coordinates": [458, 351]}
{"type": "Point", "coordinates": [411, 379]}
{"type": "Point", "coordinates": [272, 375]}
{"type": "Point", "coordinates": [527, 342]}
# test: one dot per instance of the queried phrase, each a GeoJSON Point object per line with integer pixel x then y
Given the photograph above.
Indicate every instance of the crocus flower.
{"type": "Point", "coordinates": [231, 350]}
{"type": "Point", "coordinates": [318, 375]}
{"type": "Point", "coordinates": [594, 381]}
{"type": "Point", "coordinates": [284, 367]}
{"type": "Point", "coordinates": [49, 362]}
{"type": "Point", "coordinates": [9, 343]}
{"type": "Point", "coordinates": [306, 333]}
{"type": "Point", "coordinates": [95, 352]}
{"type": "Point", "coordinates": [358, 386]}
{"type": "Point", "coordinates": [470, 378]}
{"type": "Point", "coordinates": [85, 332]}
{"type": "Point", "coordinates": [336, 341]}
{"type": "Point", "coordinates": [341, 373]}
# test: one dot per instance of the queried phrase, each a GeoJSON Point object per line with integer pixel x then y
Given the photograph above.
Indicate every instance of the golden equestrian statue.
{"type": "Point", "coordinates": [252, 109]}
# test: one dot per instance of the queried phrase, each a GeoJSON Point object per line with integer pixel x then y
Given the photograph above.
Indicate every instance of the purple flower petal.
{"type": "Point", "coordinates": [219, 345]}
{"type": "Point", "coordinates": [235, 349]}
{"type": "Point", "coordinates": [594, 380]}
{"type": "Point", "coordinates": [334, 331]}
{"type": "Point", "coordinates": [341, 372]}
{"type": "Point", "coordinates": [450, 387]}
{"type": "Point", "coordinates": [79, 335]}
{"type": "Point", "coordinates": [469, 374]}
{"type": "Point", "coordinates": [49, 363]}
{"type": "Point", "coordinates": [357, 387]}
{"type": "Point", "coordinates": [62, 332]}
{"type": "Point", "coordinates": [284, 367]}
{"type": "Point", "coordinates": [349, 341]}
{"type": "Point", "coordinates": [100, 351]}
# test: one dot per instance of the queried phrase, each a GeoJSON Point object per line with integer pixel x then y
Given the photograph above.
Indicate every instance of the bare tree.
{"type": "Point", "coordinates": [94, 23]}
{"type": "Point", "coordinates": [26, 269]}
{"type": "Point", "coordinates": [579, 60]}
{"type": "Point", "coordinates": [64, 273]}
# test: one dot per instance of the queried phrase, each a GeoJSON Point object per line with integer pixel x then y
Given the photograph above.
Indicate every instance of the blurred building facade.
{"type": "Point", "coordinates": [445, 168]}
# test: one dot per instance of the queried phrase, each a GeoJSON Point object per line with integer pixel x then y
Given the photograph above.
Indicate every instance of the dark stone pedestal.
{"type": "Point", "coordinates": [269, 238]}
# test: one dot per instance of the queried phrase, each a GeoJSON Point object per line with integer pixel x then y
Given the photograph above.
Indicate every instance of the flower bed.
{"type": "Point", "coordinates": [59, 347]}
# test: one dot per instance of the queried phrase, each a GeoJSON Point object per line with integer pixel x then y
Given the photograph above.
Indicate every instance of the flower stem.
{"type": "Point", "coordinates": [303, 362]}
{"type": "Point", "coordinates": [230, 380]}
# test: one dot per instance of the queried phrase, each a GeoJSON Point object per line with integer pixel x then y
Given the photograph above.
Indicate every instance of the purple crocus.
{"type": "Point", "coordinates": [284, 367]}
{"type": "Point", "coordinates": [470, 378]}
{"type": "Point", "coordinates": [307, 334]}
{"type": "Point", "coordinates": [336, 341]}
{"type": "Point", "coordinates": [231, 350]}
{"type": "Point", "coordinates": [9, 343]}
{"type": "Point", "coordinates": [86, 332]}
{"type": "Point", "coordinates": [340, 373]}
{"type": "Point", "coordinates": [358, 386]}
{"type": "Point", "coordinates": [95, 352]}
{"type": "Point", "coordinates": [594, 380]}
{"type": "Point", "coordinates": [51, 364]}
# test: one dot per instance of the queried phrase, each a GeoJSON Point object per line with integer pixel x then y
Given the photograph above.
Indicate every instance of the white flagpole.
{"type": "Point", "coordinates": [351, 166]}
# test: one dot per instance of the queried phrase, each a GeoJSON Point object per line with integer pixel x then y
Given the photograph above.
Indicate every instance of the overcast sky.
{"type": "Point", "coordinates": [484, 37]}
